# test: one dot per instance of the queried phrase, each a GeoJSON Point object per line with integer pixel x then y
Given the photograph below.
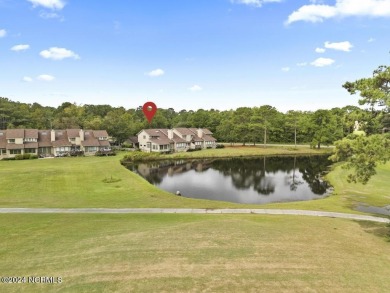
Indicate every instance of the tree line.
{"type": "Point", "coordinates": [246, 125]}
{"type": "Point", "coordinates": [361, 152]}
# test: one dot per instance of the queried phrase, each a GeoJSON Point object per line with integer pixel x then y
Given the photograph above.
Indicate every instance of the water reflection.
{"type": "Point", "coordinates": [243, 180]}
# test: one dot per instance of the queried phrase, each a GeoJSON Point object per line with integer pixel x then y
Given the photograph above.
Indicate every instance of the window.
{"type": "Point", "coordinates": [2, 151]}
{"type": "Point", "coordinates": [30, 151]}
{"type": "Point", "coordinates": [15, 152]}
{"type": "Point", "coordinates": [45, 150]}
{"type": "Point", "coordinates": [102, 138]}
{"type": "Point", "coordinates": [72, 139]}
{"type": "Point", "coordinates": [91, 149]}
{"type": "Point", "coordinates": [62, 149]}
{"type": "Point", "coordinates": [144, 136]}
{"type": "Point", "coordinates": [30, 139]}
{"type": "Point", "coordinates": [11, 140]}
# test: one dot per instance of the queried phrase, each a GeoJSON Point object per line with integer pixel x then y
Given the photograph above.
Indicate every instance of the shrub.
{"type": "Point", "coordinates": [140, 156]}
{"type": "Point", "coordinates": [33, 157]}
{"type": "Point", "coordinates": [220, 146]}
{"type": "Point", "coordinates": [19, 157]}
{"type": "Point", "coordinates": [26, 156]}
{"type": "Point", "coordinates": [111, 179]}
{"type": "Point", "coordinates": [77, 153]}
{"type": "Point", "coordinates": [126, 145]}
{"type": "Point", "coordinates": [105, 153]}
{"type": "Point", "coordinates": [193, 150]}
{"type": "Point", "coordinates": [8, 159]}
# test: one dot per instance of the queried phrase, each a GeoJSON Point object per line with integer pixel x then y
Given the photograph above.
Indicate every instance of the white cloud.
{"type": "Point", "coordinates": [286, 69]}
{"type": "Point", "coordinates": [370, 40]}
{"type": "Point", "coordinates": [50, 4]}
{"type": "Point", "coordinates": [341, 46]}
{"type": "Point", "coordinates": [50, 15]}
{"type": "Point", "coordinates": [343, 8]}
{"type": "Point", "coordinates": [55, 53]}
{"type": "Point", "coordinates": [156, 72]}
{"type": "Point", "coordinates": [320, 50]}
{"type": "Point", "coordinates": [45, 77]}
{"type": "Point", "coordinates": [27, 79]}
{"type": "Point", "coordinates": [256, 3]}
{"type": "Point", "coordinates": [3, 33]}
{"type": "Point", "coordinates": [195, 88]}
{"type": "Point", "coordinates": [322, 62]}
{"type": "Point", "coordinates": [18, 48]}
{"type": "Point", "coordinates": [301, 64]}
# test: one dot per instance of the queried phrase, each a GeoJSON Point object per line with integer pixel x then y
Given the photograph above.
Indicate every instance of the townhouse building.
{"type": "Point", "coordinates": [175, 140]}
{"type": "Point", "coordinates": [51, 142]}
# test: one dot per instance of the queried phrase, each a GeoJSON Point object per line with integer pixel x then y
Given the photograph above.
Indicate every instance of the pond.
{"type": "Point", "coordinates": [241, 180]}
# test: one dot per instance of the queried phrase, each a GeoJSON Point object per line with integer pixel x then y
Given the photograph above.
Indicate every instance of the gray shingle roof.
{"type": "Point", "coordinates": [100, 133]}
{"type": "Point", "coordinates": [31, 133]}
{"type": "Point", "coordinates": [15, 133]}
{"type": "Point", "coordinates": [184, 131]}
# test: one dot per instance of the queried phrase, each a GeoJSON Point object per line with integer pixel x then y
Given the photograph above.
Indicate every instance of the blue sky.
{"type": "Point", "coordinates": [191, 54]}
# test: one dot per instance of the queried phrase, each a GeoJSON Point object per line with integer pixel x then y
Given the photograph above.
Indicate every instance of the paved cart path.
{"type": "Point", "coordinates": [189, 211]}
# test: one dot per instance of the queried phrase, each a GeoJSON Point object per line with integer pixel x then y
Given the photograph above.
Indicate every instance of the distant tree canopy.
{"type": "Point", "coordinates": [255, 125]}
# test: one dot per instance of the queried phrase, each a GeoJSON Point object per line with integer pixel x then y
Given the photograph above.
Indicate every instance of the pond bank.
{"type": "Point", "coordinates": [231, 152]}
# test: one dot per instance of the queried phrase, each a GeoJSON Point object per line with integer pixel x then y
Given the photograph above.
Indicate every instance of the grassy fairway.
{"type": "Point", "coordinates": [194, 253]}
{"type": "Point", "coordinates": [248, 151]}
{"type": "Point", "coordinates": [376, 192]}
{"type": "Point", "coordinates": [78, 182]}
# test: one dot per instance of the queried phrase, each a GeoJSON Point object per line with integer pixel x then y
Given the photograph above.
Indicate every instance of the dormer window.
{"type": "Point", "coordinates": [102, 138]}
{"type": "Point", "coordinates": [11, 140]}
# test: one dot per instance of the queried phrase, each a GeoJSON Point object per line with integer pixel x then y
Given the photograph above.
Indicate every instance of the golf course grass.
{"type": "Point", "coordinates": [182, 252]}
{"type": "Point", "coordinates": [250, 150]}
{"type": "Point", "coordinates": [102, 182]}
{"type": "Point", "coordinates": [194, 253]}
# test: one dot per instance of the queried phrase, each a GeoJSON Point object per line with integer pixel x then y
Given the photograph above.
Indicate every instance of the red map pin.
{"type": "Point", "coordinates": [149, 110]}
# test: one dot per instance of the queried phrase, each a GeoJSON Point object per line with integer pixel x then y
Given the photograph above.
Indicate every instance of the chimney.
{"type": "Point", "coordinates": [81, 133]}
{"type": "Point", "coordinates": [200, 132]}
{"type": "Point", "coordinates": [170, 133]}
{"type": "Point", "coordinates": [52, 135]}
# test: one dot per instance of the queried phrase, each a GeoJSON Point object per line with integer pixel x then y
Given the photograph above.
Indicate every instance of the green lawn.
{"type": "Point", "coordinates": [178, 252]}
{"type": "Point", "coordinates": [248, 151]}
{"type": "Point", "coordinates": [376, 192]}
{"type": "Point", "coordinates": [79, 182]}
{"type": "Point", "coordinates": [194, 253]}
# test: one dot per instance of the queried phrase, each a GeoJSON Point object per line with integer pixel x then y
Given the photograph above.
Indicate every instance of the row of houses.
{"type": "Point", "coordinates": [175, 140]}
{"type": "Point", "coordinates": [45, 143]}
{"type": "Point", "coordinates": [51, 142]}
